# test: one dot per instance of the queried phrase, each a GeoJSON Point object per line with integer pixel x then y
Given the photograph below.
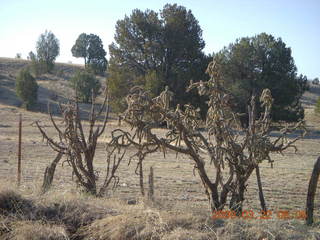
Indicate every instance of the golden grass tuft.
{"type": "Point", "coordinates": [18, 214]}
{"type": "Point", "coordinates": [27, 230]}
{"type": "Point", "coordinates": [183, 234]}
{"type": "Point", "coordinates": [148, 224]}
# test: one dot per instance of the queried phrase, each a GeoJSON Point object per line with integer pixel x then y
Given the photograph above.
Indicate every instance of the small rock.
{"type": "Point", "coordinates": [132, 202]}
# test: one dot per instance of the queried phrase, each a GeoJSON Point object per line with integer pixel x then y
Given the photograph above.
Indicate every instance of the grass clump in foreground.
{"type": "Point", "coordinates": [31, 230]}
{"type": "Point", "coordinates": [52, 217]}
{"type": "Point", "coordinates": [43, 219]}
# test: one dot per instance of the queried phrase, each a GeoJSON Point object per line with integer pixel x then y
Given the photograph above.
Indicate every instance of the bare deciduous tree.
{"type": "Point", "coordinates": [234, 151]}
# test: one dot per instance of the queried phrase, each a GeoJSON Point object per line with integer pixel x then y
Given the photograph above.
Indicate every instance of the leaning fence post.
{"type": "Point", "coordinates": [261, 197]}
{"type": "Point", "coordinates": [19, 150]}
{"type": "Point", "coordinates": [312, 191]}
{"type": "Point", "coordinates": [151, 186]}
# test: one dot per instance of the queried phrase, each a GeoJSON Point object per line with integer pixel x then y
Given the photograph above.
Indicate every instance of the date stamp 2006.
{"type": "Point", "coordinates": [250, 214]}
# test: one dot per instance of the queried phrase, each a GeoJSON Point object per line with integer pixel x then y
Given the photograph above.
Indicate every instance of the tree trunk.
{"type": "Point", "coordinates": [237, 198]}
{"type": "Point", "coordinates": [210, 188]}
{"type": "Point", "coordinates": [261, 197]}
{"type": "Point", "coordinates": [312, 191]}
{"type": "Point", "coordinates": [91, 185]}
{"type": "Point", "coordinates": [49, 174]}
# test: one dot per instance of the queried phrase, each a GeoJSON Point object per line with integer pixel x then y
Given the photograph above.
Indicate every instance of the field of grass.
{"type": "Point", "coordinates": [180, 210]}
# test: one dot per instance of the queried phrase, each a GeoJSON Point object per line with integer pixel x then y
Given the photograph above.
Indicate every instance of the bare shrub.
{"type": "Point", "coordinates": [80, 149]}
{"type": "Point", "coordinates": [235, 151]}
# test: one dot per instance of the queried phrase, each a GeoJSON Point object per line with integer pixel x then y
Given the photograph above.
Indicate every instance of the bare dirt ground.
{"type": "Point", "coordinates": [176, 187]}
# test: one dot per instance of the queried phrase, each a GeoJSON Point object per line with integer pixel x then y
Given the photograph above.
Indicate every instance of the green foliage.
{"type": "Point", "coordinates": [85, 83]}
{"type": "Point", "coordinates": [37, 67]}
{"type": "Point", "coordinates": [27, 88]}
{"type": "Point", "coordinates": [153, 82]}
{"type": "Point", "coordinates": [315, 81]}
{"type": "Point", "coordinates": [18, 56]}
{"type": "Point", "coordinates": [90, 47]}
{"type": "Point", "coordinates": [47, 50]}
{"type": "Point", "coordinates": [118, 81]}
{"type": "Point", "coordinates": [31, 56]}
{"type": "Point", "coordinates": [251, 64]}
{"type": "Point", "coordinates": [157, 50]}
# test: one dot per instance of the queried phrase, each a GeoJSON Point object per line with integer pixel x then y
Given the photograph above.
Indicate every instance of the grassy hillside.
{"type": "Point", "coordinates": [53, 87]}
{"type": "Point", "coordinates": [180, 210]}
{"type": "Point", "coordinates": [49, 84]}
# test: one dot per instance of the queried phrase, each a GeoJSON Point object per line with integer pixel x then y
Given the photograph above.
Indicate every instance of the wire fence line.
{"type": "Point", "coordinates": [309, 169]}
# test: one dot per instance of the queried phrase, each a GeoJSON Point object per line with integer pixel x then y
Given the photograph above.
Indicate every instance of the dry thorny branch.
{"type": "Point", "coordinates": [80, 149]}
{"type": "Point", "coordinates": [234, 150]}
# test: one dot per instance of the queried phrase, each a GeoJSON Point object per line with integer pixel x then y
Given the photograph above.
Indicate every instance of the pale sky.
{"type": "Point", "coordinates": [297, 22]}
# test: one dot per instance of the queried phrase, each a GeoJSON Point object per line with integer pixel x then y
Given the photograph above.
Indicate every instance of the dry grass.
{"type": "Point", "coordinates": [147, 224]}
{"type": "Point", "coordinates": [18, 213]}
{"type": "Point", "coordinates": [68, 216]}
{"type": "Point", "coordinates": [181, 210]}
{"type": "Point", "coordinates": [13, 203]}
{"type": "Point", "coordinates": [28, 230]}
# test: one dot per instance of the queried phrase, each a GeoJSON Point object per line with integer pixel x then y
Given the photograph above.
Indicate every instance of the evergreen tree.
{"type": "Point", "coordinates": [253, 63]}
{"type": "Point", "coordinates": [85, 83]}
{"type": "Point", "coordinates": [90, 47]}
{"type": "Point", "coordinates": [27, 88]}
{"type": "Point", "coordinates": [47, 49]}
{"type": "Point", "coordinates": [156, 50]}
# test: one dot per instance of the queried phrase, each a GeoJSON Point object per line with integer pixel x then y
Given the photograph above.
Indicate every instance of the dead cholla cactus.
{"type": "Point", "coordinates": [227, 144]}
{"type": "Point", "coordinates": [166, 97]}
{"type": "Point", "coordinates": [79, 146]}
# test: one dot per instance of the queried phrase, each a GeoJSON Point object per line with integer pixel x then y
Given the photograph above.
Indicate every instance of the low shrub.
{"type": "Point", "coordinates": [27, 88]}
{"type": "Point", "coordinates": [84, 83]}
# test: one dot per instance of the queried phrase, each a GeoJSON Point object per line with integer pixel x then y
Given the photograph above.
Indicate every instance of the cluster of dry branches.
{"type": "Point", "coordinates": [79, 149]}
{"type": "Point", "coordinates": [234, 151]}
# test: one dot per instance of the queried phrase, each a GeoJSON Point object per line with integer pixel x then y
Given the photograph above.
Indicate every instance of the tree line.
{"type": "Point", "coordinates": [158, 49]}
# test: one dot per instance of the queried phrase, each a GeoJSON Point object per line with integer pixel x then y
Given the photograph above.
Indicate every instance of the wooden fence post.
{"type": "Point", "coordinates": [261, 197]}
{"type": "Point", "coordinates": [141, 176]}
{"type": "Point", "coordinates": [151, 185]}
{"type": "Point", "coordinates": [119, 120]}
{"type": "Point", "coordinates": [19, 150]}
{"type": "Point", "coordinates": [49, 173]}
{"type": "Point", "coordinates": [312, 191]}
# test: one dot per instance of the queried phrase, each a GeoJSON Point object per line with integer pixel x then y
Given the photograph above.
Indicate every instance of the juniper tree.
{"type": "Point", "coordinates": [252, 64]}
{"type": "Point", "coordinates": [157, 49]}
{"type": "Point", "coordinates": [90, 48]}
{"type": "Point", "coordinates": [47, 49]}
{"type": "Point", "coordinates": [27, 88]}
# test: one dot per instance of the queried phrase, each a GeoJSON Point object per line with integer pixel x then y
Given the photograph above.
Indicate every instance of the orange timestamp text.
{"type": "Point", "coordinates": [250, 214]}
